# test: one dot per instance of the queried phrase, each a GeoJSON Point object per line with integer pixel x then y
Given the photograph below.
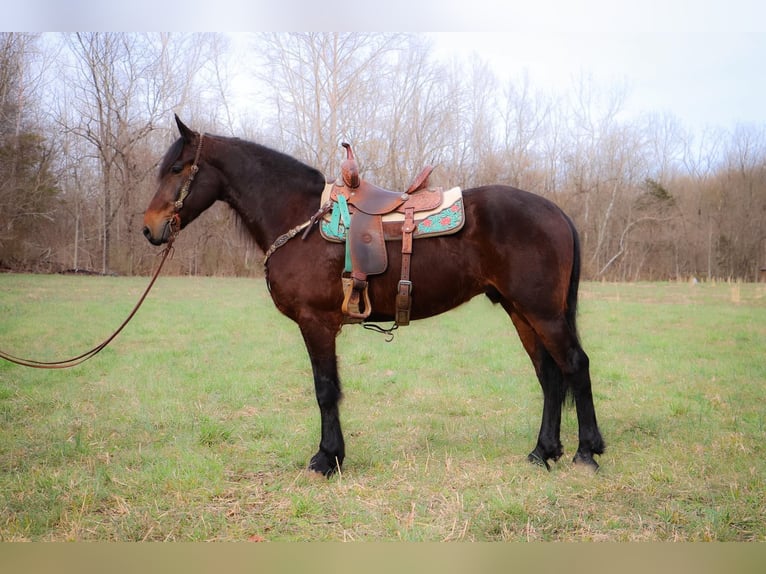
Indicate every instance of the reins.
{"type": "Point", "coordinates": [74, 361]}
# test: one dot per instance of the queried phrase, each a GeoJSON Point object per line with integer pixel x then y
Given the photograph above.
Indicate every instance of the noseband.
{"type": "Point", "coordinates": [183, 193]}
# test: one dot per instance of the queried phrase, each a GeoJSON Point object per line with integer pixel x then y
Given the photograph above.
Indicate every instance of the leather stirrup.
{"type": "Point", "coordinates": [356, 300]}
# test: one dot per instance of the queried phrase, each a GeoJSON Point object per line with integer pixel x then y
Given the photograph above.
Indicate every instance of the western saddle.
{"type": "Point", "coordinates": [363, 207]}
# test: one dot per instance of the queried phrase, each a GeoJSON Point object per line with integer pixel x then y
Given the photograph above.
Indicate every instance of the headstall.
{"type": "Point", "coordinates": [183, 193]}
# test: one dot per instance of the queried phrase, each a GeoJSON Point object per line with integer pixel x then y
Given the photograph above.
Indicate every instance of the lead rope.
{"type": "Point", "coordinates": [74, 361]}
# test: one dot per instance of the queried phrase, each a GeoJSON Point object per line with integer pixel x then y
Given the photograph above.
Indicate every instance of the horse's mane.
{"type": "Point", "coordinates": [277, 163]}
{"type": "Point", "coordinates": [271, 161]}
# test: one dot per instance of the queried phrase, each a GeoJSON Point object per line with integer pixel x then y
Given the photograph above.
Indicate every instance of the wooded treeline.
{"type": "Point", "coordinates": [86, 117]}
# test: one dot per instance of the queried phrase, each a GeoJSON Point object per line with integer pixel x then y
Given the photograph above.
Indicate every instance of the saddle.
{"type": "Point", "coordinates": [365, 216]}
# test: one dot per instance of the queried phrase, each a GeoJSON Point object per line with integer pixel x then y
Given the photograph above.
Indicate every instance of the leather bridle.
{"type": "Point", "coordinates": [183, 192]}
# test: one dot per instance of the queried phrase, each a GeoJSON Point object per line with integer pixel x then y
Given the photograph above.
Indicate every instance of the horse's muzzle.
{"type": "Point", "coordinates": [160, 238]}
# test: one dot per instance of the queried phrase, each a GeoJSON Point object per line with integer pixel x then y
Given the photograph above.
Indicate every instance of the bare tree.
{"type": "Point", "coordinates": [119, 89]}
{"type": "Point", "coordinates": [526, 124]}
{"type": "Point", "coordinates": [27, 183]}
{"type": "Point", "coordinates": [413, 126]}
{"type": "Point", "coordinates": [605, 166]}
{"type": "Point", "coordinates": [326, 87]}
{"type": "Point", "coordinates": [741, 230]}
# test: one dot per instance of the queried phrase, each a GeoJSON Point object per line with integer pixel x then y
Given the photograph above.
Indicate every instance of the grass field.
{"type": "Point", "coordinates": [199, 420]}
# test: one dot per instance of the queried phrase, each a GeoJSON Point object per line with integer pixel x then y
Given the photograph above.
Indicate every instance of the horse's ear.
{"type": "Point", "coordinates": [186, 133]}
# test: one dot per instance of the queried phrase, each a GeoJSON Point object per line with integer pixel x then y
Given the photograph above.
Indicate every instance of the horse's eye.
{"type": "Point", "coordinates": [177, 168]}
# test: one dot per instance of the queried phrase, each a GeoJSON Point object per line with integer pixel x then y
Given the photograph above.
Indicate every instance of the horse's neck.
{"type": "Point", "coordinates": [270, 202]}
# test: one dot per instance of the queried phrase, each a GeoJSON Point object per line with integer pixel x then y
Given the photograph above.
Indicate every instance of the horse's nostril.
{"type": "Point", "coordinates": [147, 232]}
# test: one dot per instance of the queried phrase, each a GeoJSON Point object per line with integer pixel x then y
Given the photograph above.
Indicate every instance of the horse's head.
{"type": "Point", "coordinates": [185, 188]}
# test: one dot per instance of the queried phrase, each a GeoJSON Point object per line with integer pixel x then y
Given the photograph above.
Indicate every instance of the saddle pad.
{"type": "Point", "coordinates": [445, 219]}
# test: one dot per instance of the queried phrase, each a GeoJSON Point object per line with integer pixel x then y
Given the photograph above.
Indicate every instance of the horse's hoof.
{"type": "Point", "coordinates": [320, 463]}
{"type": "Point", "coordinates": [537, 460]}
{"type": "Point", "coordinates": [586, 461]}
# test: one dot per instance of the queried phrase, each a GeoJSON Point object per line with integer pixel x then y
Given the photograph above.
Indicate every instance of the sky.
{"type": "Point", "coordinates": [703, 61]}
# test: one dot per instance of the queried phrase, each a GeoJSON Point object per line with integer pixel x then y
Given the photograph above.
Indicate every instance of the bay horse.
{"type": "Point", "coordinates": [517, 248]}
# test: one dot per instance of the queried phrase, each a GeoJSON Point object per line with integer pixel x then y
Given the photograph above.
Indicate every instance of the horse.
{"type": "Point", "coordinates": [517, 248]}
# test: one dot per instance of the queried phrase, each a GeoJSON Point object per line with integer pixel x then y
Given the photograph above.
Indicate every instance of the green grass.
{"type": "Point", "coordinates": [198, 421]}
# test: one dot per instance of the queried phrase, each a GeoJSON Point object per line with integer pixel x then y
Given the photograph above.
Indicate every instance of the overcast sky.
{"type": "Point", "coordinates": [704, 61]}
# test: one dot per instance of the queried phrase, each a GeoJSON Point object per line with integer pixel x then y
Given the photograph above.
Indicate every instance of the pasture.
{"type": "Point", "coordinates": [198, 421]}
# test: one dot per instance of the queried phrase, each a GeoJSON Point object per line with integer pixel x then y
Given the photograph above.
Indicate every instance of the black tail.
{"type": "Point", "coordinates": [572, 291]}
{"type": "Point", "coordinates": [574, 281]}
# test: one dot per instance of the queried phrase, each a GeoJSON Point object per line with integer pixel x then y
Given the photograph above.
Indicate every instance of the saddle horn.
{"type": "Point", "coordinates": [349, 169]}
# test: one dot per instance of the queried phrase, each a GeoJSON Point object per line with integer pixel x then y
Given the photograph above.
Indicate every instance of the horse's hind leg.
{"type": "Point", "coordinates": [590, 440]}
{"type": "Point", "coordinates": [564, 346]}
{"type": "Point", "coordinates": [549, 445]}
{"type": "Point", "coordinates": [320, 343]}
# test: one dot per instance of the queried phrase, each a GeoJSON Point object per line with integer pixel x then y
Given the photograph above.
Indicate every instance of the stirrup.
{"type": "Point", "coordinates": [356, 300]}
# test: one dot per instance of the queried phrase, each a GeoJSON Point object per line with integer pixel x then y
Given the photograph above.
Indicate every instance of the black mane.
{"type": "Point", "coordinates": [270, 162]}
{"type": "Point", "coordinates": [280, 166]}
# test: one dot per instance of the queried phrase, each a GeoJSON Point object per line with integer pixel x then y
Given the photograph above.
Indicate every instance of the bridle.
{"type": "Point", "coordinates": [183, 192]}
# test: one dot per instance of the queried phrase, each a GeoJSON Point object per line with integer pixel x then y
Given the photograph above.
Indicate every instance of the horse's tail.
{"type": "Point", "coordinates": [570, 314]}
{"type": "Point", "coordinates": [574, 280]}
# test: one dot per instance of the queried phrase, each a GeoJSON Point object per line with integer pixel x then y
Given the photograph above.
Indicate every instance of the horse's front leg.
{"type": "Point", "coordinates": [320, 343]}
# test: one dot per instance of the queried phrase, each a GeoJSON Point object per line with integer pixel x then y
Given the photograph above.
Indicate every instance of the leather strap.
{"type": "Point", "coordinates": [404, 291]}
